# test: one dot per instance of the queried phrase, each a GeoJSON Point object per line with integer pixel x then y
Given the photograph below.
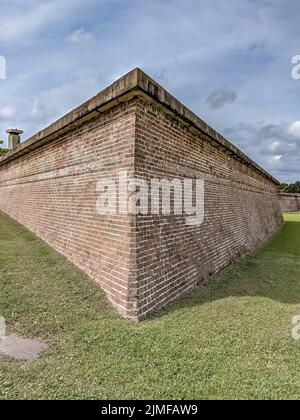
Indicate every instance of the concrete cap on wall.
{"type": "Point", "coordinates": [14, 131]}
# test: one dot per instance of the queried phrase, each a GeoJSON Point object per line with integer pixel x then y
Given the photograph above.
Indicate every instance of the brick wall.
{"type": "Point", "coordinates": [241, 210]}
{"type": "Point", "coordinates": [52, 191]}
{"type": "Point", "coordinates": [49, 184]}
{"type": "Point", "coordinates": [289, 202]}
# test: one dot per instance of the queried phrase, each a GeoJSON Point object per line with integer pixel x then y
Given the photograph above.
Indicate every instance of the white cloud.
{"type": "Point", "coordinates": [270, 145]}
{"type": "Point", "coordinates": [274, 146]}
{"type": "Point", "coordinates": [294, 130]}
{"type": "Point", "coordinates": [7, 112]}
{"type": "Point", "coordinates": [275, 159]}
{"type": "Point", "coordinates": [80, 37]}
{"type": "Point", "coordinates": [39, 112]}
{"type": "Point", "coordinates": [30, 17]}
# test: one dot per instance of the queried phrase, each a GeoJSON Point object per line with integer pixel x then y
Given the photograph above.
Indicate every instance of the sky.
{"type": "Point", "coordinates": [229, 62]}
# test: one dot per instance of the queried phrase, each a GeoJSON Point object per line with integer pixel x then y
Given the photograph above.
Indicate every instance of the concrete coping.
{"type": "Point", "coordinates": [14, 131]}
{"type": "Point", "coordinates": [135, 83]}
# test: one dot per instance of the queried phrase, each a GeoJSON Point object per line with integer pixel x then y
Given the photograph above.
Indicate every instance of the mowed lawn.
{"type": "Point", "coordinates": [229, 340]}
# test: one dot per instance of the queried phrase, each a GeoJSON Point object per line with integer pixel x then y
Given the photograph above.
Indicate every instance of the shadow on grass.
{"type": "Point", "coordinates": [271, 271]}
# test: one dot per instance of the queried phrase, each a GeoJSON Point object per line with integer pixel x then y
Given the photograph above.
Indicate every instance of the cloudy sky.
{"type": "Point", "coordinates": [230, 62]}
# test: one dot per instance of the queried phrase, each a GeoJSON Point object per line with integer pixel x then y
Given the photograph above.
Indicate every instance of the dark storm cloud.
{"type": "Point", "coordinates": [221, 97]}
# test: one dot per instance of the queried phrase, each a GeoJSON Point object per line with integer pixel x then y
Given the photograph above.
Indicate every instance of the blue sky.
{"type": "Point", "coordinates": [229, 62]}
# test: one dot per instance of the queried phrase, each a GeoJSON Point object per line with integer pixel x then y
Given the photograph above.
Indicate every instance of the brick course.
{"type": "Point", "coordinates": [142, 262]}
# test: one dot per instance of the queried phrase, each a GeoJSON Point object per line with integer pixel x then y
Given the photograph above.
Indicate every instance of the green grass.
{"type": "Point", "coordinates": [229, 340]}
{"type": "Point", "coordinates": [292, 217]}
{"type": "Point", "coordinates": [3, 151]}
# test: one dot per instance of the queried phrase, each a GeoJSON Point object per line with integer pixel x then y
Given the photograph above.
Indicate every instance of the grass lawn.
{"type": "Point", "coordinates": [231, 339]}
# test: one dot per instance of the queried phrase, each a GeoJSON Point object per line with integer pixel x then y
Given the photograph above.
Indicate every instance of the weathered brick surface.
{"type": "Point", "coordinates": [52, 191]}
{"type": "Point", "coordinates": [289, 202]}
{"type": "Point", "coordinates": [144, 261]}
{"type": "Point", "coordinates": [241, 210]}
